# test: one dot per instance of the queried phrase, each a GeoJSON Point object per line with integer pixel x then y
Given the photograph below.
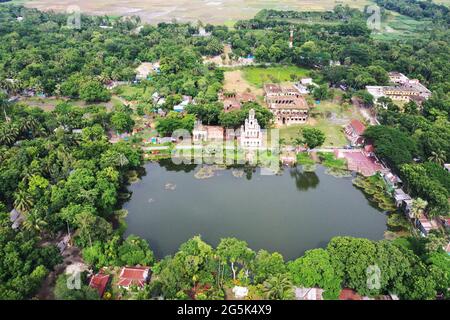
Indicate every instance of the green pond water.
{"type": "Point", "coordinates": [289, 213]}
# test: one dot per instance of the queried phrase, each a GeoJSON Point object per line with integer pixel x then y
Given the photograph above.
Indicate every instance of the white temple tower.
{"type": "Point", "coordinates": [251, 135]}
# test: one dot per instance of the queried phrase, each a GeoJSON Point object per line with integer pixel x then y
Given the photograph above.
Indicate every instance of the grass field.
{"type": "Point", "coordinates": [398, 26]}
{"type": "Point", "coordinates": [210, 11]}
{"type": "Point", "coordinates": [257, 76]}
{"type": "Point", "coordinates": [49, 104]}
{"type": "Point", "coordinates": [329, 117]}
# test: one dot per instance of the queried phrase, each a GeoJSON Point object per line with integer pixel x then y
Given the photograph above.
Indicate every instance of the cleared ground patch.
{"type": "Point", "coordinates": [236, 82]}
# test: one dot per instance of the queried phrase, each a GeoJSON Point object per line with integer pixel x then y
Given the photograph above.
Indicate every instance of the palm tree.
{"type": "Point", "coordinates": [122, 160]}
{"type": "Point", "coordinates": [438, 157]}
{"type": "Point", "coordinates": [278, 287]}
{"type": "Point", "coordinates": [104, 78]}
{"type": "Point", "coordinates": [8, 134]}
{"type": "Point", "coordinates": [23, 201]}
{"type": "Point", "coordinates": [418, 208]}
{"type": "Point", "coordinates": [34, 223]}
{"type": "Point", "coordinates": [5, 105]}
{"type": "Point", "coordinates": [28, 124]}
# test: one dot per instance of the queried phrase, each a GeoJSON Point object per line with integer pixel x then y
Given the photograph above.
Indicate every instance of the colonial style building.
{"type": "Point", "coordinates": [233, 101]}
{"type": "Point", "coordinates": [287, 104]}
{"type": "Point", "coordinates": [404, 89]}
{"type": "Point", "coordinates": [251, 135]}
{"type": "Point", "coordinates": [207, 133]}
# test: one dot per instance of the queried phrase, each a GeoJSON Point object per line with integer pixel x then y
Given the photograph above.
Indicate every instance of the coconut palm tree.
{"type": "Point", "coordinates": [438, 157]}
{"type": "Point", "coordinates": [278, 287]}
{"type": "Point", "coordinates": [23, 201]}
{"type": "Point", "coordinates": [5, 105]}
{"type": "Point", "coordinates": [33, 223]}
{"type": "Point", "coordinates": [122, 160]}
{"type": "Point", "coordinates": [418, 208]}
{"type": "Point", "coordinates": [8, 134]}
{"type": "Point", "coordinates": [28, 124]}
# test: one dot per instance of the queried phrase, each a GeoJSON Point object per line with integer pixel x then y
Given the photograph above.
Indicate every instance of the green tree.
{"type": "Point", "coordinates": [93, 91]}
{"type": "Point", "coordinates": [64, 291]}
{"type": "Point", "coordinates": [278, 287]}
{"type": "Point", "coordinates": [418, 208]}
{"type": "Point", "coordinates": [234, 251]}
{"type": "Point", "coordinates": [266, 265]}
{"type": "Point", "coordinates": [315, 269]}
{"type": "Point", "coordinates": [135, 251]}
{"type": "Point", "coordinates": [122, 122]}
{"type": "Point", "coordinates": [312, 137]}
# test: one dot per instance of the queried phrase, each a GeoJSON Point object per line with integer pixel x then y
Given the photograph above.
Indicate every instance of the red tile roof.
{"type": "Point", "coordinates": [369, 148]}
{"type": "Point", "coordinates": [349, 294]}
{"type": "Point", "coordinates": [133, 276]}
{"type": "Point", "coordinates": [99, 282]}
{"type": "Point", "coordinates": [358, 126]}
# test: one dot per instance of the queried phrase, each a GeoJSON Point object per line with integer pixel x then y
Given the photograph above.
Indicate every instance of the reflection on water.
{"type": "Point", "coordinates": [304, 180]}
{"type": "Point", "coordinates": [290, 212]}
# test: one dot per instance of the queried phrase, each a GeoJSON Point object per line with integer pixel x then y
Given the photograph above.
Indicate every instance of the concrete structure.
{"type": "Point", "coordinates": [145, 69]}
{"type": "Point", "coordinates": [240, 292]}
{"type": "Point", "coordinates": [397, 77]}
{"type": "Point", "coordinates": [16, 218]}
{"type": "Point", "coordinates": [308, 294]}
{"type": "Point", "coordinates": [291, 38]}
{"type": "Point", "coordinates": [180, 107]}
{"type": "Point", "coordinates": [447, 248]}
{"type": "Point", "coordinates": [400, 196]}
{"type": "Point", "coordinates": [207, 133]}
{"type": "Point", "coordinates": [234, 101]}
{"type": "Point", "coordinates": [425, 225]}
{"type": "Point", "coordinates": [287, 104]}
{"type": "Point", "coordinates": [251, 135]}
{"type": "Point", "coordinates": [404, 89]}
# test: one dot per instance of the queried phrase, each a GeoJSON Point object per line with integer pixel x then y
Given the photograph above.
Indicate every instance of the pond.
{"type": "Point", "coordinates": [290, 213]}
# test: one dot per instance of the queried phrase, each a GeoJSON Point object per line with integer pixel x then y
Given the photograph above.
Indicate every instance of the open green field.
{"type": "Point", "coordinates": [398, 26]}
{"type": "Point", "coordinates": [329, 117]}
{"type": "Point", "coordinates": [257, 76]}
{"type": "Point", "coordinates": [49, 104]}
{"type": "Point", "coordinates": [210, 11]}
{"type": "Point", "coordinates": [334, 134]}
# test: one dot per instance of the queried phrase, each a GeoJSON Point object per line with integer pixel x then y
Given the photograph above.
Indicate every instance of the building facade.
{"type": "Point", "coordinates": [404, 89]}
{"type": "Point", "coordinates": [287, 104]}
{"type": "Point", "coordinates": [251, 134]}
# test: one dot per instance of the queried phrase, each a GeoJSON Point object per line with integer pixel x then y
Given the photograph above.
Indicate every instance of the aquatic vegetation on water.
{"type": "Point", "coordinates": [375, 188]}
{"type": "Point", "coordinates": [338, 173]}
{"type": "Point", "coordinates": [237, 173]}
{"type": "Point", "coordinates": [170, 186]}
{"type": "Point", "coordinates": [309, 167]}
{"type": "Point", "coordinates": [207, 172]}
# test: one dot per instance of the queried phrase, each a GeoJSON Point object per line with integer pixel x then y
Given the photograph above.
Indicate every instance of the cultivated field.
{"type": "Point", "coordinates": [211, 11]}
